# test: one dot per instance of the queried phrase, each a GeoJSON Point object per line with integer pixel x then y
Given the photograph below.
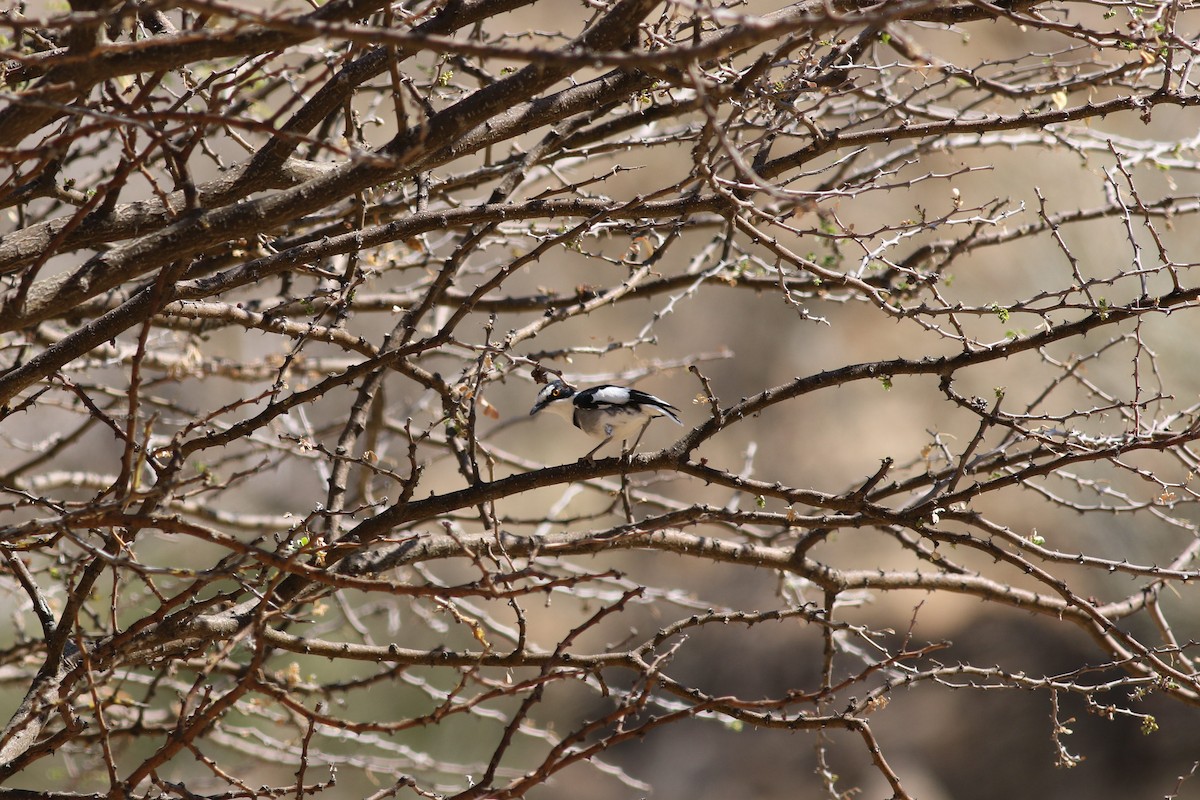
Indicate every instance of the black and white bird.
{"type": "Point", "coordinates": [604, 412]}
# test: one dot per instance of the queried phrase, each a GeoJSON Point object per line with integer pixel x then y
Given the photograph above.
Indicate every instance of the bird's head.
{"type": "Point", "coordinates": [556, 396]}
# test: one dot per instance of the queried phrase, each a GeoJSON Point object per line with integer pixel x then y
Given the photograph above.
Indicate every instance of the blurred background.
{"type": "Point", "coordinates": [946, 739]}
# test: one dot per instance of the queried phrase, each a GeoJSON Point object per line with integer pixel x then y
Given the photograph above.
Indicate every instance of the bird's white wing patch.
{"type": "Point", "coordinates": [617, 395]}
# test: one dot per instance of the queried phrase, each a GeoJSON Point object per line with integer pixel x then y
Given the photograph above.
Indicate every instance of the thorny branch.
{"type": "Point", "coordinates": [276, 285]}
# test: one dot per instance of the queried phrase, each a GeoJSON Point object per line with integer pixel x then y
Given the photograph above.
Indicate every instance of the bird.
{"type": "Point", "coordinates": [604, 412]}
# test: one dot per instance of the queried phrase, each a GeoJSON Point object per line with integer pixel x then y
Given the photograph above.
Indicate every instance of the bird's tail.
{"type": "Point", "coordinates": [670, 411]}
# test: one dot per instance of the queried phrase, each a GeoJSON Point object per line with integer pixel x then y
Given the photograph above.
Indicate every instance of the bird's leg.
{"type": "Point", "coordinates": [641, 433]}
{"type": "Point", "coordinates": [592, 452]}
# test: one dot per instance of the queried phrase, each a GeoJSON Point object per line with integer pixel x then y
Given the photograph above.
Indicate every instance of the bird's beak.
{"type": "Point", "coordinates": [536, 408]}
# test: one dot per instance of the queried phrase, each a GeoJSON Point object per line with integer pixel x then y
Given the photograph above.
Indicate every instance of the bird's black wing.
{"type": "Point", "coordinates": [608, 396]}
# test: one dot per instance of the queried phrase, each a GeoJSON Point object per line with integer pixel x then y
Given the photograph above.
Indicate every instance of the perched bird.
{"type": "Point", "coordinates": [604, 412]}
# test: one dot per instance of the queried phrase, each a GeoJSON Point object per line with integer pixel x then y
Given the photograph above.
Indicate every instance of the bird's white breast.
{"type": "Point", "coordinates": [615, 422]}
